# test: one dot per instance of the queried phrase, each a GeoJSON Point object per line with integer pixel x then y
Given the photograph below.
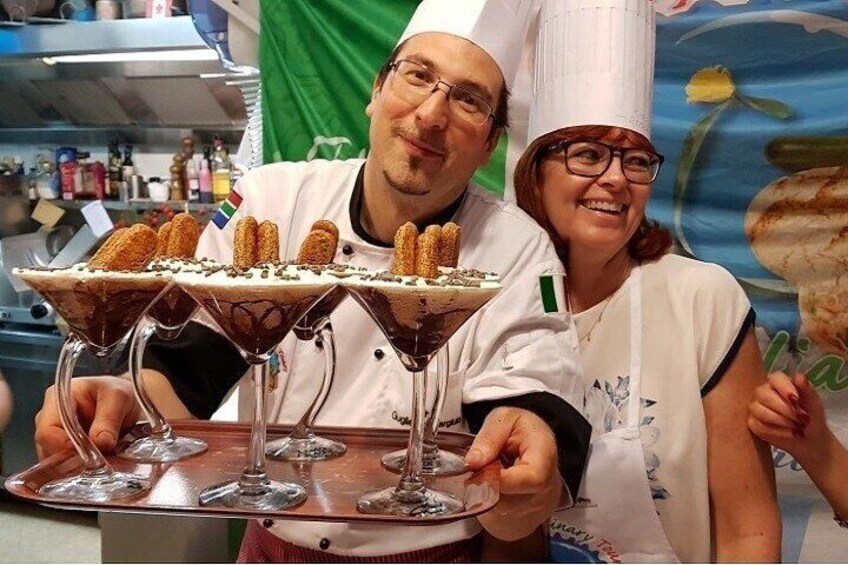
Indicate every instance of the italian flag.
{"type": "Point", "coordinates": [554, 298]}
{"type": "Point", "coordinates": [227, 209]}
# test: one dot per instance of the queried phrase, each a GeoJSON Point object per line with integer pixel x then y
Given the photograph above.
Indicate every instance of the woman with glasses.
{"type": "Point", "coordinates": [667, 343]}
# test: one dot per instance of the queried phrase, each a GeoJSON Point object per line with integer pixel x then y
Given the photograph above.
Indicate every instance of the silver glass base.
{"type": "Point", "coordinates": [308, 449]}
{"type": "Point", "coordinates": [438, 463]}
{"type": "Point", "coordinates": [420, 504]}
{"type": "Point", "coordinates": [162, 450]}
{"type": "Point", "coordinates": [271, 495]}
{"type": "Point", "coordinates": [95, 488]}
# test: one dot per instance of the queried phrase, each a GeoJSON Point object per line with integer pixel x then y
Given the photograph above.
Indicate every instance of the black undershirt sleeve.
{"type": "Point", "coordinates": [201, 365]}
{"type": "Point", "coordinates": [571, 429]}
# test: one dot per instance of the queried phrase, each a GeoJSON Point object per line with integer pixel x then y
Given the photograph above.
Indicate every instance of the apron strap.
{"type": "Point", "coordinates": [634, 403]}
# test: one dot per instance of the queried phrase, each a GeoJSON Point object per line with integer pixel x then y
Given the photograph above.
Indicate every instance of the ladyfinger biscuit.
{"type": "Point", "coordinates": [327, 226]}
{"type": "Point", "coordinates": [185, 233]}
{"type": "Point", "coordinates": [269, 242]}
{"type": "Point", "coordinates": [133, 252]}
{"type": "Point", "coordinates": [449, 245]}
{"type": "Point", "coordinates": [406, 240]}
{"type": "Point", "coordinates": [107, 249]}
{"type": "Point", "coordinates": [319, 248]}
{"type": "Point", "coordinates": [162, 238]}
{"type": "Point", "coordinates": [427, 256]}
{"type": "Point", "coordinates": [245, 251]}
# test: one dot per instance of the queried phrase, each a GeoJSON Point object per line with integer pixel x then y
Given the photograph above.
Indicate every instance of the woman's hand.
{"type": "Point", "coordinates": [787, 413]}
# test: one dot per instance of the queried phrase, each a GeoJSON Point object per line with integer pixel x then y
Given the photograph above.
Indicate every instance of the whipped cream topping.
{"type": "Point", "coordinates": [449, 278]}
{"type": "Point", "coordinates": [81, 271]}
{"type": "Point", "coordinates": [268, 274]}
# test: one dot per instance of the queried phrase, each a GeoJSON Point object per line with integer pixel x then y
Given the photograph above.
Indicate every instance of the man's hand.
{"type": "Point", "coordinates": [105, 406]}
{"type": "Point", "coordinates": [531, 486]}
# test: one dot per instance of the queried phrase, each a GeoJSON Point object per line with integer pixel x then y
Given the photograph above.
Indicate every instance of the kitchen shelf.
{"type": "Point", "coordinates": [108, 36]}
{"type": "Point", "coordinates": [137, 205]}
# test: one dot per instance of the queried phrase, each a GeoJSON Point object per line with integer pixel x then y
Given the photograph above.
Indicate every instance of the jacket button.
{"type": "Point", "coordinates": [347, 250]}
{"type": "Point", "coordinates": [268, 522]}
{"type": "Point", "coordinates": [324, 544]}
{"type": "Point", "coordinates": [378, 353]}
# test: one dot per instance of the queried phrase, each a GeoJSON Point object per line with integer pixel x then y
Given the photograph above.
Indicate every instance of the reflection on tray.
{"type": "Point", "coordinates": [332, 486]}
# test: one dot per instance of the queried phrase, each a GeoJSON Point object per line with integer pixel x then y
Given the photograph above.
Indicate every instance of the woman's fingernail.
{"type": "Point", "coordinates": [793, 400]}
{"type": "Point", "coordinates": [804, 418]}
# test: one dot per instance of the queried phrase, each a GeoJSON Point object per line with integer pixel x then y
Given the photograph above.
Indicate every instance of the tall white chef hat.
{"type": "Point", "coordinates": [496, 26]}
{"type": "Point", "coordinates": [594, 65]}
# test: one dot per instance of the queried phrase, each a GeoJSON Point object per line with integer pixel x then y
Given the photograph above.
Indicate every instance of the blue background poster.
{"type": "Point", "coordinates": [750, 112]}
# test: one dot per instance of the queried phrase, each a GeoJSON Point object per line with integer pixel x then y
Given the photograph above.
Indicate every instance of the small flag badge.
{"type": "Point", "coordinates": [554, 298]}
{"type": "Point", "coordinates": [227, 209]}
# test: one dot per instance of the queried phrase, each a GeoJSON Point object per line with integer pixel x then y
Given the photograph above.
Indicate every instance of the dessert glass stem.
{"type": "Point", "coordinates": [95, 463]}
{"type": "Point", "coordinates": [254, 475]}
{"type": "Point", "coordinates": [322, 330]}
{"type": "Point", "coordinates": [431, 429]}
{"type": "Point", "coordinates": [411, 486]}
{"type": "Point", "coordinates": [159, 426]}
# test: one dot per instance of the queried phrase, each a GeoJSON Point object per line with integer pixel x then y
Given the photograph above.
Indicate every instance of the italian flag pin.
{"type": "Point", "coordinates": [554, 298]}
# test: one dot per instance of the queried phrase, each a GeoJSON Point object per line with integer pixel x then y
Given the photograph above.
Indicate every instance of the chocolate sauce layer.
{"type": "Point", "coordinates": [100, 307]}
{"type": "Point", "coordinates": [323, 308]}
{"type": "Point", "coordinates": [173, 309]}
{"type": "Point", "coordinates": [419, 320]}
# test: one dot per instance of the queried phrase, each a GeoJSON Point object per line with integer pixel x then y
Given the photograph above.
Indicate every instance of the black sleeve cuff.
{"type": "Point", "coordinates": [715, 378]}
{"type": "Point", "coordinates": [573, 433]}
{"type": "Point", "coordinates": [201, 365]}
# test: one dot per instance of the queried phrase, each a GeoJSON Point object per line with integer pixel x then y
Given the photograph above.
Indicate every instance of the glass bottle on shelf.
{"type": "Point", "coordinates": [193, 180]}
{"type": "Point", "coordinates": [221, 171]}
{"type": "Point", "coordinates": [204, 178]}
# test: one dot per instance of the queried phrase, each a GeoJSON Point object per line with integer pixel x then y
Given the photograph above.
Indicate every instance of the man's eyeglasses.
{"type": "Point", "coordinates": [414, 83]}
{"type": "Point", "coordinates": [593, 158]}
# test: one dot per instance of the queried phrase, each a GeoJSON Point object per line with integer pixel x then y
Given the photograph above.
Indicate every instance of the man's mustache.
{"type": "Point", "coordinates": [434, 143]}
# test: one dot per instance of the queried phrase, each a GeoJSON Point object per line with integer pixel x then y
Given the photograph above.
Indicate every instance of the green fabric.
{"type": "Point", "coordinates": [549, 301]}
{"type": "Point", "coordinates": [319, 59]}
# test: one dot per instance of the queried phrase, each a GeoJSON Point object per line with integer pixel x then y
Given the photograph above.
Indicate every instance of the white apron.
{"type": "Point", "coordinates": [614, 519]}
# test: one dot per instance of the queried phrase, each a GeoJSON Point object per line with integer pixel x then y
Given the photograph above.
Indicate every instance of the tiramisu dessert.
{"type": "Point", "coordinates": [319, 249]}
{"type": "Point", "coordinates": [256, 301]}
{"type": "Point", "coordinates": [419, 305]}
{"type": "Point", "coordinates": [302, 444]}
{"type": "Point", "coordinates": [176, 244]}
{"type": "Point", "coordinates": [101, 302]}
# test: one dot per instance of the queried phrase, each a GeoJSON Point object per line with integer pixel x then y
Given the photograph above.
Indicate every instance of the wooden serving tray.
{"type": "Point", "coordinates": [332, 486]}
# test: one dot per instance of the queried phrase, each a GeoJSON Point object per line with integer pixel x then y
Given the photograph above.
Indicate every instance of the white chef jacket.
{"type": "Point", "coordinates": [509, 348]}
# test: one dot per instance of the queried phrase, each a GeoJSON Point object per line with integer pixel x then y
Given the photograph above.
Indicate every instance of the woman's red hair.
{"type": "Point", "coordinates": [650, 242]}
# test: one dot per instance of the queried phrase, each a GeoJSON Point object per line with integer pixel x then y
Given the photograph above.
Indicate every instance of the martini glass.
{"type": "Point", "coordinates": [417, 319]}
{"type": "Point", "coordinates": [303, 444]}
{"type": "Point", "coordinates": [101, 308]}
{"type": "Point", "coordinates": [166, 318]}
{"type": "Point", "coordinates": [255, 313]}
{"type": "Point", "coordinates": [434, 461]}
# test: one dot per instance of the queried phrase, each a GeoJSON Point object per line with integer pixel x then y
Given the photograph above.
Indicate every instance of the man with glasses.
{"type": "Point", "coordinates": [436, 112]}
